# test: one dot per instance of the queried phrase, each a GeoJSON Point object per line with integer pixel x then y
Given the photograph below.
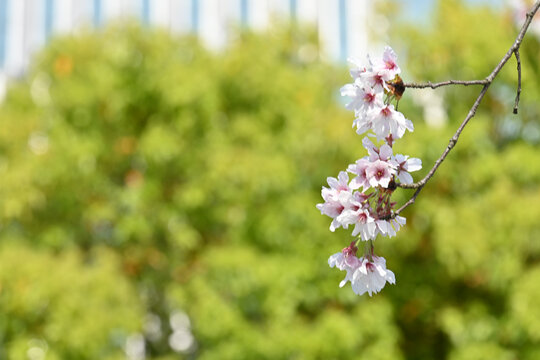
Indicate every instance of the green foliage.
{"type": "Point", "coordinates": [143, 176]}
{"type": "Point", "coordinates": [65, 306]}
{"type": "Point", "coordinates": [476, 223]}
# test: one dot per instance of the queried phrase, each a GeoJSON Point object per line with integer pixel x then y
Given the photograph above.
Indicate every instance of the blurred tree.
{"type": "Point", "coordinates": [61, 307]}
{"type": "Point", "coordinates": [140, 161]}
{"type": "Point", "coordinates": [477, 221]}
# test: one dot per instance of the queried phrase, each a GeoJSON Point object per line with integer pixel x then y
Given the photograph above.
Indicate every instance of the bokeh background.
{"type": "Point", "coordinates": [157, 194]}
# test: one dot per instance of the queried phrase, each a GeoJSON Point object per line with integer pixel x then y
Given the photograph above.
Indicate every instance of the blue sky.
{"type": "Point", "coordinates": [418, 10]}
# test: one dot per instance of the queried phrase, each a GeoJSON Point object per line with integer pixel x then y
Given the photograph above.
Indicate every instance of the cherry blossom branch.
{"type": "Point", "coordinates": [429, 84]}
{"type": "Point", "coordinates": [516, 103]}
{"type": "Point", "coordinates": [514, 50]}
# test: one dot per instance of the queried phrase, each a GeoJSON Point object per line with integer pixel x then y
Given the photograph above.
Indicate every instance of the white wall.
{"type": "Point", "coordinates": [341, 24]}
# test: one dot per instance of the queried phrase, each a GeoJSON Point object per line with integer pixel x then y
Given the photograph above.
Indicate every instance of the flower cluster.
{"type": "Point", "coordinates": [365, 274]}
{"type": "Point", "coordinates": [364, 200]}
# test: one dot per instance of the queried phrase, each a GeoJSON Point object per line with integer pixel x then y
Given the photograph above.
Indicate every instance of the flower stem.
{"type": "Point", "coordinates": [368, 250]}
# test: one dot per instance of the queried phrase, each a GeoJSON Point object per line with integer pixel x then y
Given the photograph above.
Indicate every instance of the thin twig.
{"type": "Point", "coordinates": [518, 93]}
{"type": "Point", "coordinates": [429, 84]}
{"type": "Point", "coordinates": [514, 49]}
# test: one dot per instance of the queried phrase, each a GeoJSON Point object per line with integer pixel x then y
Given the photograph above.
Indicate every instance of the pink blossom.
{"type": "Point", "coordinates": [375, 170]}
{"type": "Point", "coordinates": [364, 225]}
{"type": "Point", "coordinates": [387, 66]}
{"type": "Point", "coordinates": [371, 276]}
{"type": "Point", "coordinates": [337, 198]}
{"type": "Point", "coordinates": [363, 98]}
{"type": "Point", "coordinates": [367, 210]}
{"type": "Point", "coordinates": [381, 70]}
{"type": "Point", "coordinates": [379, 173]}
{"type": "Point", "coordinates": [390, 227]}
{"type": "Point", "coordinates": [359, 169]}
{"type": "Point", "coordinates": [376, 79]}
{"type": "Point", "coordinates": [359, 216]}
{"type": "Point", "coordinates": [404, 165]}
{"type": "Point", "coordinates": [387, 121]}
{"type": "Point", "coordinates": [345, 260]}
{"type": "Point", "coordinates": [357, 67]}
{"type": "Point", "coordinates": [364, 275]}
{"type": "Point", "coordinates": [384, 152]}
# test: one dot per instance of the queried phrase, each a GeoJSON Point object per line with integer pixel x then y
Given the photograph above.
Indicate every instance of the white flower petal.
{"type": "Point", "coordinates": [405, 177]}
{"type": "Point", "coordinates": [414, 164]}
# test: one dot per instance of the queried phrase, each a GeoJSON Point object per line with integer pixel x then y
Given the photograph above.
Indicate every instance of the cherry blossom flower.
{"type": "Point", "coordinates": [387, 66]}
{"type": "Point", "coordinates": [364, 123]}
{"type": "Point", "coordinates": [381, 70]}
{"type": "Point", "coordinates": [371, 276]}
{"type": "Point", "coordinates": [387, 121]}
{"type": "Point", "coordinates": [345, 260]}
{"type": "Point", "coordinates": [359, 215]}
{"type": "Point", "coordinates": [376, 78]}
{"type": "Point", "coordinates": [398, 222]}
{"type": "Point", "coordinates": [375, 170]}
{"type": "Point", "coordinates": [357, 67]}
{"type": "Point", "coordinates": [370, 210]}
{"type": "Point", "coordinates": [379, 173]}
{"type": "Point", "coordinates": [377, 72]}
{"type": "Point", "coordinates": [364, 225]}
{"type": "Point", "coordinates": [337, 198]}
{"type": "Point", "coordinates": [383, 153]}
{"type": "Point", "coordinates": [363, 98]}
{"type": "Point", "coordinates": [390, 227]}
{"type": "Point", "coordinates": [404, 165]}
{"type": "Point", "coordinates": [359, 169]}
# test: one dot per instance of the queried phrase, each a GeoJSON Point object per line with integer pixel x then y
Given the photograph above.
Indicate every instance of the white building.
{"type": "Point", "coordinates": [26, 25]}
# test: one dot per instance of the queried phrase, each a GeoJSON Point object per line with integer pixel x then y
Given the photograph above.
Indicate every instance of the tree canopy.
{"type": "Point", "coordinates": [143, 176]}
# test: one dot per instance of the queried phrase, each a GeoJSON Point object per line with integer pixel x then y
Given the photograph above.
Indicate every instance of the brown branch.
{"type": "Point", "coordinates": [518, 60]}
{"type": "Point", "coordinates": [429, 84]}
{"type": "Point", "coordinates": [514, 49]}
